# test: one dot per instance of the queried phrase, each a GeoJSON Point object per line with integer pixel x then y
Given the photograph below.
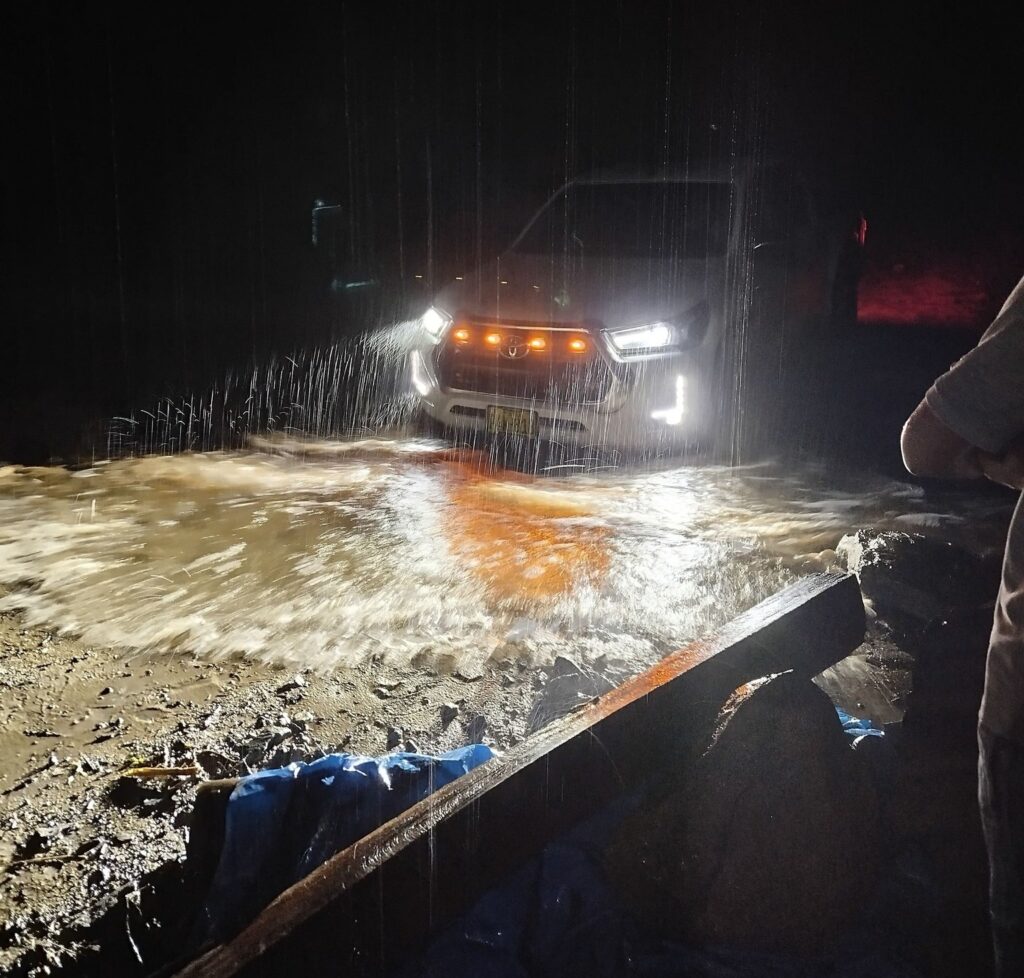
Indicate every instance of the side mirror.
{"type": "Point", "coordinates": [322, 213]}
{"type": "Point", "coordinates": [328, 235]}
{"type": "Point", "coordinates": [769, 258]}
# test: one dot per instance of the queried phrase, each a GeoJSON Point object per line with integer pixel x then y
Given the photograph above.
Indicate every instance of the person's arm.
{"type": "Point", "coordinates": [931, 448]}
{"type": "Point", "coordinates": [968, 422]}
{"type": "Point", "coordinates": [1006, 469]}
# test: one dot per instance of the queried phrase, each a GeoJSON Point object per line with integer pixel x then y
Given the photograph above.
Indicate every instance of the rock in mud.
{"type": "Point", "coordinates": [296, 682]}
{"type": "Point", "coordinates": [568, 687]}
{"type": "Point", "coordinates": [394, 737]}
{"type": "Point", "coordinates": [88, 765]}
{"type": "Point", "coordinates": [216, 764]}
{"type": "Point", "coordinates": [449, 711]}
{"type": "Point", "coordinates": [766, 838]}
{"type": "Point", "coordinates": [476, 728]}
{"type": "Point", "coordinates": [913, 580]}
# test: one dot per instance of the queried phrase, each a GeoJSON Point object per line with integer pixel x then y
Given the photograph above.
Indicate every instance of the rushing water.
{"type": "Point", "coordinates": [326, 554]}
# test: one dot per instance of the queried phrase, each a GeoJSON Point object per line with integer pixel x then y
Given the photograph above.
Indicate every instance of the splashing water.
{"type": "Point", "coordinates": [327, 554]}
{"type": "Point", "coordinates": [354, 385]}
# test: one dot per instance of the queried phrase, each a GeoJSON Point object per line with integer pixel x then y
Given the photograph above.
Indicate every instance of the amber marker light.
{"type": "Point", "coordinates": [577, 345]}
{"type": "Point", "coordinates": [461, 336]}
{"type": "Point", "coordinates": [492, 339]}
{"type": "Point", "coordinates": [538, 343]}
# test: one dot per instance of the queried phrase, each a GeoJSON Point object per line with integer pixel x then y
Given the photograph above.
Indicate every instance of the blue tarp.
{"type": "Point", "coordinates": [283, 823]}
{"type": "Point", "coordinates": [857, 727]}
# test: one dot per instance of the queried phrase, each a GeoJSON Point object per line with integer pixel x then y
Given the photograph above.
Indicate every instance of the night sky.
{"type": "Point", "coordinates": [161, 160]}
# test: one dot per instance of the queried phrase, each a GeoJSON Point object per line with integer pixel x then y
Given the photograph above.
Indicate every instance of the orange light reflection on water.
{"type": "Point", "coordinates": [523, 542]}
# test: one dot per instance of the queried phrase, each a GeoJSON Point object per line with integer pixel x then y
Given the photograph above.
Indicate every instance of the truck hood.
{"type": "Point", "coordinates": [608, 293]}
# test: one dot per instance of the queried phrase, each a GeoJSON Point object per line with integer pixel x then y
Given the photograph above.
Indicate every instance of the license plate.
{"type": "Point", "coordinates": [511, 421]}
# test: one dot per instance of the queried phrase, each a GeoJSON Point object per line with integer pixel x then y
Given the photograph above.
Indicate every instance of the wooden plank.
{"type": "Point", "coordinates": [384, 894]}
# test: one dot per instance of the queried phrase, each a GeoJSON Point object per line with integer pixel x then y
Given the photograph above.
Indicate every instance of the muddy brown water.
{"type": "Point", "coordinates": [325, 554]}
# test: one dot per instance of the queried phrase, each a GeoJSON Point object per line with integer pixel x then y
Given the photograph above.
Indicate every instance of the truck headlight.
{"type": "Point", "coordinates": [644, 339]}
{"type": "Point", "coordinates": [662, 336]}
{"type": "Point", "coordinates": [435, 322]}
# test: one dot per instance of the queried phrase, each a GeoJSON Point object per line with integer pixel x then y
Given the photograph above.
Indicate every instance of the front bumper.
{"type": "Point", "coordinates": [649, 405]}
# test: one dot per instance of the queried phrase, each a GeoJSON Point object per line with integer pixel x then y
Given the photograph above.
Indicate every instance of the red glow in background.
{"type": "Point", "coordinates": [920, 284]}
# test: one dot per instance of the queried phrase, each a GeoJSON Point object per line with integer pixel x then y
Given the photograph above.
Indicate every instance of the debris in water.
{"type": "Point", "coordinates": [161, 772]}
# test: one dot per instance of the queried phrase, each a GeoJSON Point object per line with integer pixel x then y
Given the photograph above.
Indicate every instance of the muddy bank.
{"type": "Point", "coordinates": [77, 837]}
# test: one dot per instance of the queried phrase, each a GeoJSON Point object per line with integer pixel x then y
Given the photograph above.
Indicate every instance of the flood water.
{"type": "Point", "coordinates": [329, 554]}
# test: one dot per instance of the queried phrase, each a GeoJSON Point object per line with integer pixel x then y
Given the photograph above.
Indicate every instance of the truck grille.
{"type": "Point", "coordinates": [470, 360]}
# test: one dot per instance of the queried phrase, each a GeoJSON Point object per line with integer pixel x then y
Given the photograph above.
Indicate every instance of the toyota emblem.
{"type": "Point", "coordinates": [514, 348]}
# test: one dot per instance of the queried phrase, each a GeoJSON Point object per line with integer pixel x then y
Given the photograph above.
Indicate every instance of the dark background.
{"type": "Point", "coordinates": [161, 160]}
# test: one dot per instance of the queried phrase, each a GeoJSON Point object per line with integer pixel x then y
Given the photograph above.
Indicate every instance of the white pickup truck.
{"type": "Point", "coordinates": [640, 312]}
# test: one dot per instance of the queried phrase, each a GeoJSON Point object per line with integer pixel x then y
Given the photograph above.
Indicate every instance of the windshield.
{"type": "Point", "coordinates": [632, 220]}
